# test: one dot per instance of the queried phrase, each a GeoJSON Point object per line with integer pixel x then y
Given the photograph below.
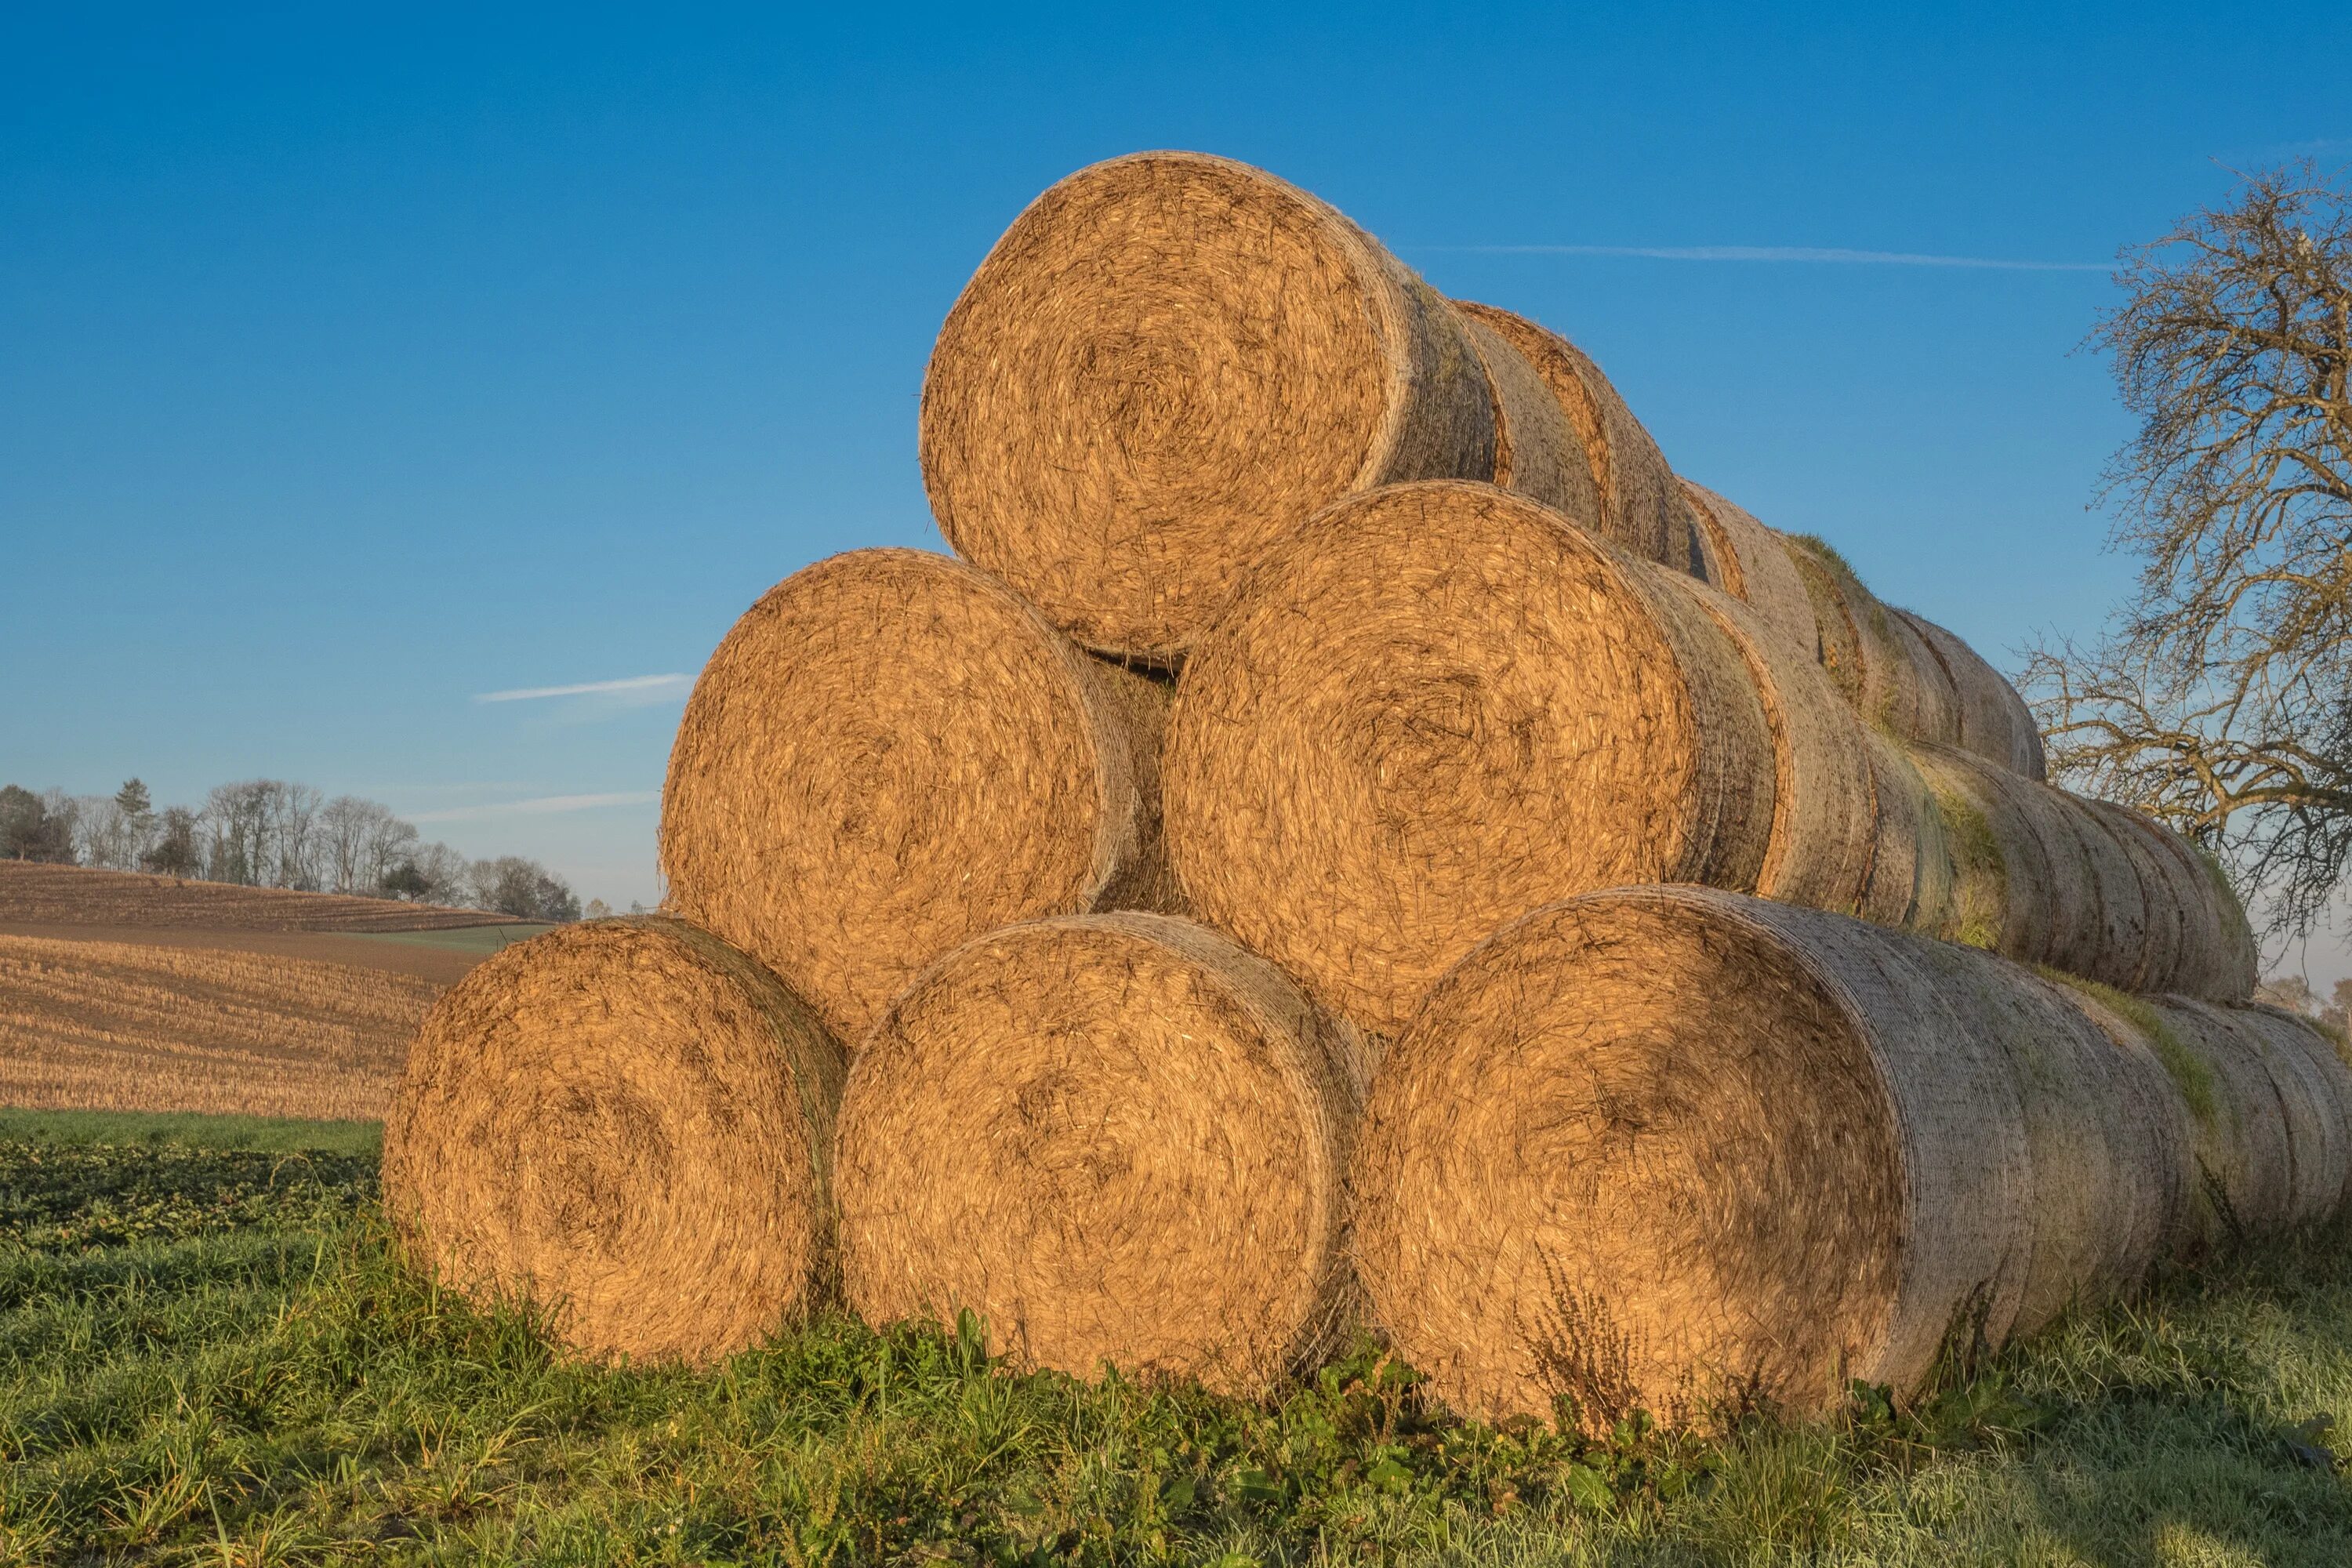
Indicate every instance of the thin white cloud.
{"type": "Point", "coordinates": [542, 806]}
{"type": "Point", "coordinates": [1784, 253]}
{"type": "Point", "coordinates": [644, 688]}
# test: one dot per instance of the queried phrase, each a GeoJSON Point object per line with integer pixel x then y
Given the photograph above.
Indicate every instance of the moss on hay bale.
{"type": "Point", "coordinates": [1641, 506]}
{"type": "Point", "coordinates": [1165, 364]}
{"type": "Point", "coordinates": [1673, 1147]}
{"type": "Point", "coordinates": [630, 1125]}
{"type": "Point", "coordinates": [1437, 707]}
{"type": "Point", "coordinates": [891, 752]}
{"type": "Point", "coordinates": [1117, 1139]}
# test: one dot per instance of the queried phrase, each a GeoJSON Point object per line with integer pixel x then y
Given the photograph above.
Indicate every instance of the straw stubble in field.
{"type": "Point", "coordinates": [110, 1025]}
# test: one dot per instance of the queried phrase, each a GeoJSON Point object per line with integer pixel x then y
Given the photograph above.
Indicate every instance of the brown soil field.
{"type": "Point", "coordinates": [105, 1025]}
{"type": "Point", "coordinates": [36, 895]}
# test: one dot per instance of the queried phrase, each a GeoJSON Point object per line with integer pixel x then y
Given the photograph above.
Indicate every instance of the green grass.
{"type": "Point", "coordinates": [191, 1129]}
{"type": "Point", "coordinates": [211, 1356]}
{"type": "Point", "coordinates": [485, 939]}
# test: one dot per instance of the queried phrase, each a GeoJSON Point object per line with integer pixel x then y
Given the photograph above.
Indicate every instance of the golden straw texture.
{"type": "Point", "coordinates": [1642, 508]}
{"type": "Point", "coordinates": [1434, 708]}
{"type": "Point", "coordinates": [1993, 720]}
{"type": "Point", "coordinates": [1824, 808]}
{"type": "Point", "coordinates": [1535, 453]}
{"type": "Point", "coordinates": [1165, 364]}
{"type": "Point", "coordinates": [629, 1123]}
{"type": "Point", "coordinates": [891, 752]}
{"type": "Point", "coordinates": [1669, 1147]}
{"type": "Point", "coordinates": [1120, 1139]}
{"type": "Point", "coordinates": [1752, 565]}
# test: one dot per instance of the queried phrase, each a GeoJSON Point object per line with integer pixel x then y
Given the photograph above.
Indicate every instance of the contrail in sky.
{"type": "Point", "coordinates": [639, 683]}
{"type": "Point", "coordinates": [1777, 253]}
{"type": "Point", "coordinates": [541, 806]}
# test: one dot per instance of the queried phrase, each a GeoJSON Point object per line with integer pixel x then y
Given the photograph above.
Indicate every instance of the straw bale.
{"type": "Point", "coordinates": [2191, 910]}
{"type": "Point", "coordinates": [1753, 564]}
{"type": "Point", "coordinates": [2043, 876]}
{"type": "Point", "coordinates": [1439, 706]}
{"type": "Point", "coordinates": [1642, 508]}
{"type": "Point", "coordinates": [1117, 1139]}
{"type": "Point", "coordinates": [1536, 454]}
{"type": "Point", "coordinates": [1663, 1146]}
{"type": "Point", "coordinates": [630, 1125]}
{"type": "Point", "coordinates": [2311, 1082]}
{"type": "Point", "coordinates": [1168, 360]}
{"type": "Point", "coordinates": [1914, 863]}
{"type": "Point", "coordinates": [1994, 721]}
{"type": "Point", "coordinates": [2245, 1137]}
{"type": "Point", "coordinates": [1825, 806]}
{"type": "Point", "coordinates": [2108, 1146]}
{"type": "Point", "coordinates": [891, 752]}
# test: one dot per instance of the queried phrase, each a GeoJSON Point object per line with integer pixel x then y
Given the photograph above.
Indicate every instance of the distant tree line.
{"type": "Point", "coordinates": [268, 833]}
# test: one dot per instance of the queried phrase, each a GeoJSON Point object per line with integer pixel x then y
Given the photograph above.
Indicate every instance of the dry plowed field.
{"type": "Point", "coordinates": [122, 992]}
{"type": "Point", "coordinates": [35, 895]}
{"type": "Point", "coordinates": [117, 1027]}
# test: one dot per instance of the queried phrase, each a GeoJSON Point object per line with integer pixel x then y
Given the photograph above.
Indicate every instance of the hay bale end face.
{"type": "Point", "coordinates": [1669, 1147]}
{"type": "Point", "coordinates": [1117, 1139]}
{"type": "Point", "coordinates": [628, 1123]}
{"type": "Point", "coordinates": [1435, 708]}
{"type": "Point", "coordinates": [891, 752]}
{"type": "Point", "coordinates": [1166, 362]}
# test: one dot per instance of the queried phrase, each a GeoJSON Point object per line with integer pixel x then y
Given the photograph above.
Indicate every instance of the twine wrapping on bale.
{"type": "Point", "coordinates": [1641, 508]}
{"type": "Point", "coordinates": [1536, 454]}
{"type": "Point", "coordinates": [1879, 661]}
{"type": "Point", "coordinates": [1166, 362]}
{"type": "Point", "coordinates": [2045, 876]}
{"type": "Point", "coordinates": [1994, 721]}
{"type": "Point", "coordinates": [1667, 1147]}
{"type": "Point", "coordinates": [1676, 1149]}
{"type": "Point", "coordinates": [891, 752]}
{"type": "Point", "coordinates": [1118, 1139]}
{"type": "Point", "coordinates": [629, 1124]}
{"type": "Point", "coordinates": [1912, 855]}
{"type": "Point", "coordinates": [1825, 826]}
{"type": "Point", "coordinates": [1439, 706]}
{"type": "Point", "coordinates": [1750, 563]}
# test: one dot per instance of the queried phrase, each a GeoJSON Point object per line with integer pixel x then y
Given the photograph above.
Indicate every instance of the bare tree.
{"type": "Point", "coordinates": [2221, 696]}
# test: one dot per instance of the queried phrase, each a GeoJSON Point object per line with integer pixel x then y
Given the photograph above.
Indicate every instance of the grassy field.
{"type": "Point", "coordinates": [115, 1026]}
{"type": "Point", "coordinates": [211, 1356]}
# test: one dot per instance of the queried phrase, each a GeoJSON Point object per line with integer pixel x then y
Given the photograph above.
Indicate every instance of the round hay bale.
{"type": "Point", "coordinates": [1993, 720]}
{"type": "Point", "coordinates": [1913, 861]}
{"type": "Point", "coordinates": [1166, 362]}
{"type": "Point", "coordinates": [1753, 566]}
{"type": "Point", "coordinates": [2164, 918]}
{"type": "Point", "coordinates": [629, 1124]}
{"type": "Point", "coordinates": [1118, 1139]}
{"type": "Point", "coordinates": [1641, 508]}
{"type": "Point", "coordinates": [2191, 911]}
{"type": "Point", "coordinates": [891, 752]}
{"type": "Point", "coordinates": [1825, 804]}
{"type": "Point", "coordinates": [1879, 661]}
{"type": "Point", "coordinates": [2246, 1156]}
{"type": "Point", "coordinates": [2311, 1081]}
{"type": "Point", "coordinates": [1535, 453]}
{"type": "Point", "coordinates": [2108, 1147]}
{"type": "Point", "coordinates": [1663, 1147]}
{"type": "Point", "coordinates": [1434, 708]}
{"type": "Point", "coordinates": [2042, 877]}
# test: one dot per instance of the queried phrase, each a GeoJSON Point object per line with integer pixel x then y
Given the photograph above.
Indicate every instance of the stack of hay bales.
{"type": "Point", "coordinates": [1355, 840]}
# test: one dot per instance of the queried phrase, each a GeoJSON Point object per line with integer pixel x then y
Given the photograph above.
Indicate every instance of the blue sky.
{"type": "Point", "coordinates": [353, 368]}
